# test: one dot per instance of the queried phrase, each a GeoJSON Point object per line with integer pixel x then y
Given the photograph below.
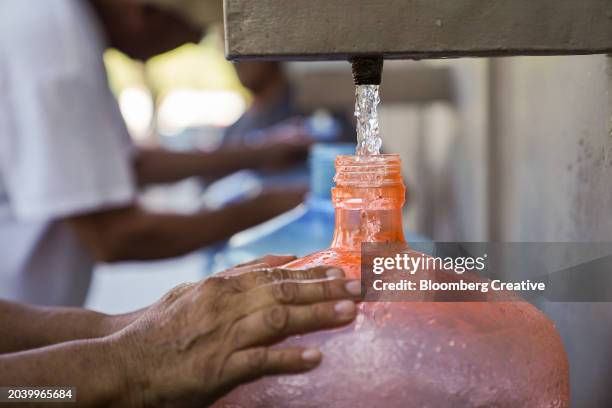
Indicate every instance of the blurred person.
{"type": "Point", "coordinates": [68, 171]}
{"type": "Point", "coordinates": [188, 349]}
{"type": "Point", "coordinates": [272, 117]}
{"type": "Point", "coordinates": [275, 117]}
{"type": "Point", "coordinates": [274, 113]}
{"type": "Point", "coordinates": [272, 102]}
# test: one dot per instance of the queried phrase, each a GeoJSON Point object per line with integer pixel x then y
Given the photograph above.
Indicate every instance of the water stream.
{"type": "Point", "coordinates": [366, 105]}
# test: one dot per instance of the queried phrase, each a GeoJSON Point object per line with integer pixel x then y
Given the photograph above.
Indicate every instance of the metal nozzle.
{"type": "Point", "coordinates": [367, 70]}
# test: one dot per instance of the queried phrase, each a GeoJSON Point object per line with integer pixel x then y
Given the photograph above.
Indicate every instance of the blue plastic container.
{"type": "Point", "coordinates": [301, 231]}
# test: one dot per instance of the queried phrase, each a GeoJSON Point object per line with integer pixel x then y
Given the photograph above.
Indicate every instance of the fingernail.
{"type": "Point", "coordinates": [335, 273]}
{"type": "Point", "coordinates": [353, 287]}
{"type": "Point", "coordinates": [311, 355]}
{"type": "Point", "coordinates": [345, 308]}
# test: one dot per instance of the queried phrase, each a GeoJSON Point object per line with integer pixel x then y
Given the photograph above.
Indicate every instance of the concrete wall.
{"type": "Point", "coordinates": [525, 150]}
{"type": "Point", "coordinates": [553, 120]}
{"type": "Point", "coordinates": [552, 181]}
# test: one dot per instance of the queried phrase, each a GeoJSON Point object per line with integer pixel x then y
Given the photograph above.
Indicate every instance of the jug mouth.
{"type": "Point", "coordinates": [381, 170]}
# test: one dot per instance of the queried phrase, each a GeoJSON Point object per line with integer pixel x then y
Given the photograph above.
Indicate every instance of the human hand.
{"type": "Point", "coordinates": [286, 154]}
{"type": "Point", "coordinates": [285, 145]}
{"type": "Point", "coordinates": [275, 201]}
{"type": "Point", "coordinates": [201, 340]}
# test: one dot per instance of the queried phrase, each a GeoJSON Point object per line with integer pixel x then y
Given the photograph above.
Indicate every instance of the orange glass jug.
{"type": "Point", "coordinates": [413, 354]}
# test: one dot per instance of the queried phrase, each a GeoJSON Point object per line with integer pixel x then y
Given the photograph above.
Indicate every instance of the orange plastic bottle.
{"type": "Point", "coordinates": [368, 197]}
{"type": "Point", "coordinates": [413, 354]}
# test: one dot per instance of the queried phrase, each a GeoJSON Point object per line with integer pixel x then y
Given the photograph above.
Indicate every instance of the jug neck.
{"type": "Point", "coordinates": [368, 200]}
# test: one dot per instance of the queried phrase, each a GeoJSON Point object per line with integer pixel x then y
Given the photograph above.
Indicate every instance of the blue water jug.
{"type": "Point", "coordinates": [305, 229]}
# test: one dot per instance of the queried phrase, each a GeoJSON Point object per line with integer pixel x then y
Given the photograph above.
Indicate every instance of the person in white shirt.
{"type": "Point", "coordinates": [68, 171]}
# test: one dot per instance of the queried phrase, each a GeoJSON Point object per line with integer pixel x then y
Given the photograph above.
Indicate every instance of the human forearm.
{"type": "Point", "coordinates": [93, 367]}
{"type": "Point", "coordinates": [133, 233]}
{"type": "Point", "coordinates": [161, 166]}
{"type": "Point", "coordinates": [158, 236]}
{"type": "Point", "coordinates": [172, 356]}
{"type": "Point", "coordinates": [26, 327]}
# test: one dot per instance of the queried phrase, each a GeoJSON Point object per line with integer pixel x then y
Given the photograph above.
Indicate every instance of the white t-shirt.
{"type": "Point", "coordinates": [64, 148]}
